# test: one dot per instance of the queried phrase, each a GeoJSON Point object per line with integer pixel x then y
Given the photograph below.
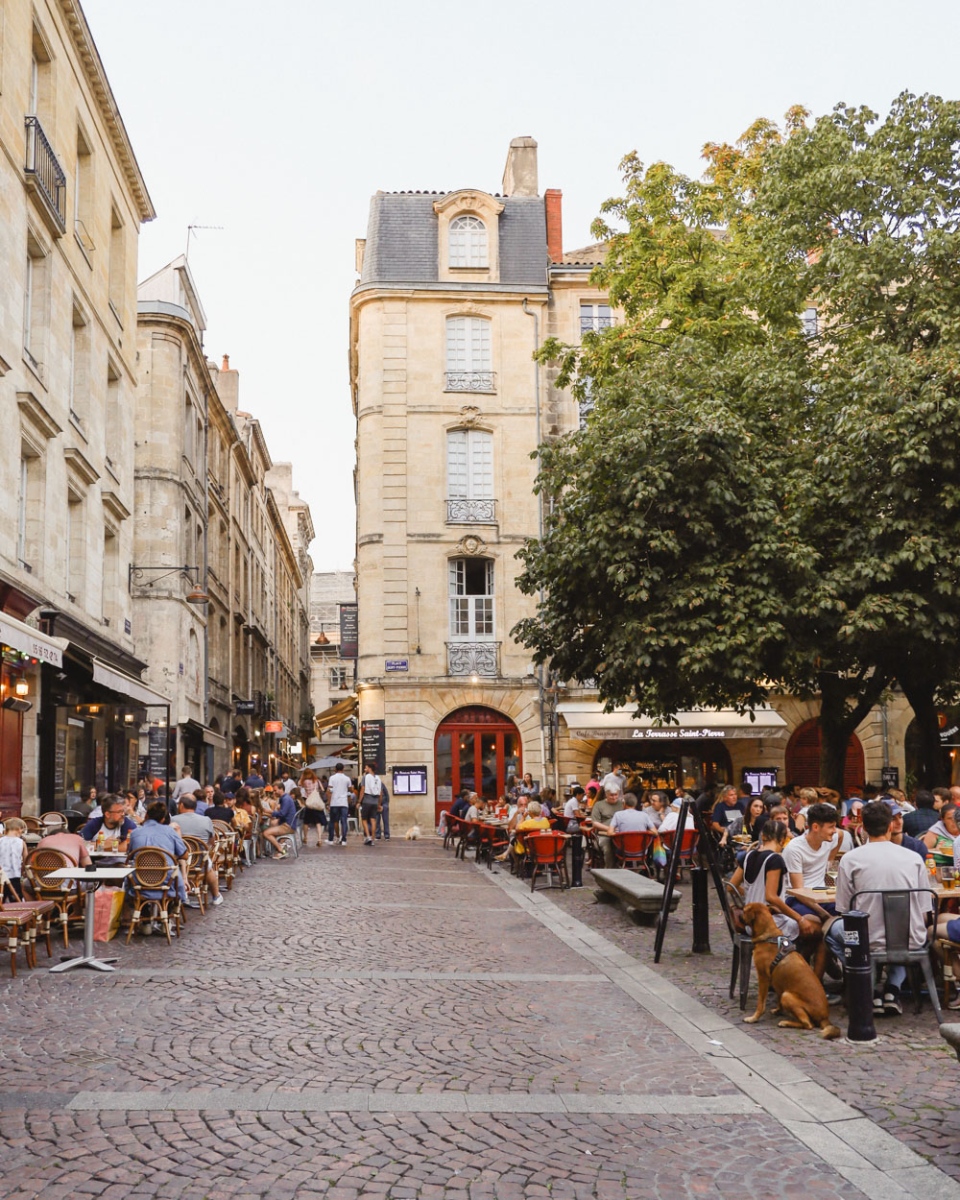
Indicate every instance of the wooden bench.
{"type": "Point", "coordinates": [641, 895]}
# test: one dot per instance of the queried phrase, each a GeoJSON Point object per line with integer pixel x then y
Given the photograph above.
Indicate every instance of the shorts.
{"type": "Point", "coordinates": [953, 929]}
{"type": "Point", "coordinates": [368, 812]}
{"type": "Point", "coordinates": [278, 829]}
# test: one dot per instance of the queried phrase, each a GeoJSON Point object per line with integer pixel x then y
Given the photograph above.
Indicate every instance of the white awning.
{"type": "Point", "coordinates": [586, 720]}
{"type": "Point", "coordinates": [127, 685]}
{"type": "Point", "coordinates": [20, 636]}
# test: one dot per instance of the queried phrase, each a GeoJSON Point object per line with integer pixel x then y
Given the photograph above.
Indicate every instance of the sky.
{"type": "Point", "coordinates": [277, 122]}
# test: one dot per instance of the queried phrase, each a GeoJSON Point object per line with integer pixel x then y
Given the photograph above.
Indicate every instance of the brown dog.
{"type": "Point", "coordinates": [799, 993]}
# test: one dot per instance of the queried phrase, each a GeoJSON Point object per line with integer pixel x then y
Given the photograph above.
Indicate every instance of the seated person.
{"type": "Point", "coordinates": [897, 836]}
{"type": "Point", "coordinates": [113, 824]}
{"type": "Point", "coordinates": [939, 838]}
{"type": "Point", "coordinates": [727, 816]}
{"type": "Point", "coordinates": [70, 844]}
{"type": "Point", "coordinates": [601, 815]}
{"type": "Point", "coordinates": [628, 819]}
{"type": "Point", "coordinates": [282, 820]}
{"type": "Point", "coordinates": [808, 856]}
{"type": "Point", "coordinates": [157, 831]}
{"type": "Point", "coordinates": [477, 809]}
{"type": "Point", "coordinates": [880, 865]}
{"type": "Point", "coordinates": [460, 806]}
{"type": "Point", "coordinates": [531, 823]}
{"type": "Point", "coordinates": [190, 823]}
{"type": "Point", "coordinates": [655, 806]}
{"type": "Point", "coordinates": [672, 816]}
{"type": "Point", "coordinates": [763, 877]}
{"type": "Point", "coordinates": [219, 809]}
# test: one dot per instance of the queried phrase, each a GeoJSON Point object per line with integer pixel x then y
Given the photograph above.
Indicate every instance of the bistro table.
{"type": "Point", "coordinates": [810, 896]}
{"type": "Point", "coordinates": [97, 877]}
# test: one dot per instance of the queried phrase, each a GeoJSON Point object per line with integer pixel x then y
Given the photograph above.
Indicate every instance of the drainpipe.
{"type": "Point", "coordinates": [208, 750]}
{"type": "Point", "coordinates": [536, 391]}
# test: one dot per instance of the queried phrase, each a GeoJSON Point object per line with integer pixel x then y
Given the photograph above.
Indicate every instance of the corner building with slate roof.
{"type": "Point", "coordinates": [452, 298]}
{"type": "Point", "coordinates": [455, 292]}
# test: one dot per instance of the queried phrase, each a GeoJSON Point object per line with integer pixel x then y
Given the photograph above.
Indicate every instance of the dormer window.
{"type": "Point", "coordinates": [468, 242]}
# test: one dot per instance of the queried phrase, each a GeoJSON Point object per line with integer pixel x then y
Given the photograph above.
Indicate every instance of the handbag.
{"type": "Point", "coordinates": [315, 801]}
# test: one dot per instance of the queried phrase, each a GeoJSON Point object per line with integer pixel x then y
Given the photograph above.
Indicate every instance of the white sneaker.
{"type": "Point", "coordinates": [216, 900]}
{"type": "Point", "coordinates": [343, 841]}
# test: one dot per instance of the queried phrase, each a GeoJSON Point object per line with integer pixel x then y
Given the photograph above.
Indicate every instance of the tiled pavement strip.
{"type": "Point", "coordinates": [391, 1023]}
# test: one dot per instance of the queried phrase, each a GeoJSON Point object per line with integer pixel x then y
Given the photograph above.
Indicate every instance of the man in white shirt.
{"type": "Point", "coordinates": [806, 858]}
{"type": "Point", "coordinates": [370, 803]}
{"type": "Point", "coordinates": [186, 783]}
{"type": "Point", "coordinates": [672, 817]}
{"type": "Point", "coordinates": [614, 782]}
{"type": "Point", "coordinates": [881, 865]}
{"type": "Point", "coordinates": [338, 788]}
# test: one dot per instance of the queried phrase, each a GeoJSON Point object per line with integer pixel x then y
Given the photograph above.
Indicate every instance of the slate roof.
{"type": "Point", "coordinates": [402, 240]}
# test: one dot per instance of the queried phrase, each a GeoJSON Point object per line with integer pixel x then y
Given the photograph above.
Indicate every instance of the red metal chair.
{"type": "Point", "coordinates": [547, 851]}
{"type": "Point", "coordinates": [688, 846]}
{"type": "Point", "coordinates": [493, 842]}
{"type": "Point", "coordinates": [469, 838]}
{"type": "Point", "coordinates": [632, 850]}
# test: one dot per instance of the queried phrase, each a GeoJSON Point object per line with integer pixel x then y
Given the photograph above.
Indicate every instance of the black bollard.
{"type": "Point", "coordinates": [859, 976]}
{"type": "Point", "coordinates": [701, 915]}
{"type": "Point", "coordinates": [576, 860]}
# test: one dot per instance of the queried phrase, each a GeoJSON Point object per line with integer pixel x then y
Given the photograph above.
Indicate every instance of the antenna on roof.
{"type": "Point", "coordinates": [190, 229]}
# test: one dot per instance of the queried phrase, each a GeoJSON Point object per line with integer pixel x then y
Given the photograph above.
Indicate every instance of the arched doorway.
{"type": "Point", "coordinates": [803, 759]}
{"type": "Point", "coordinates": [692, 763]}
{"type": "Point", "coordinates": [241, 750]}
{"type": "Point", "coordinates": [476, 748]}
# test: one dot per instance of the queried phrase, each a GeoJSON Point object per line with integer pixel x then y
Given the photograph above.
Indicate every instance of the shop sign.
{"type": "Point", "coordinates": [890, 777]}
{"type": "Point", "coordinates": [273, 727]}
{"type": "Point", "coordinates": [373, 745]}
{"type": "Point", "coordinates": [349, 631]}
{"type": "Point", "coordinates": [245, 708]}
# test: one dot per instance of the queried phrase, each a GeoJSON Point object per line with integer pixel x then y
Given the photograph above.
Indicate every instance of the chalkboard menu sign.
{"type": "Point", "coordinates": [60, 761]}
{"type": "Point", "coordinates": [373, 745]}
{"type": "Point", "coordinates": [890, 777]}
{"type": "Point", "coordinates": [349, 631]}
{"type": "Point", "coordinates": [158, 751]}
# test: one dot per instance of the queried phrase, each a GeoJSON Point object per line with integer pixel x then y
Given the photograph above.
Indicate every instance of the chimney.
{"type": "Point", "coordinates": [520, 173]}
{"type": "Point", "coordinates": [553, 205]}
{"type": "Point", "coordinates": [226, 363]}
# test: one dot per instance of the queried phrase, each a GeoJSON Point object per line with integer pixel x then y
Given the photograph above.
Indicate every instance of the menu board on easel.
{"type": "Point", "coordinates": [60, 761]}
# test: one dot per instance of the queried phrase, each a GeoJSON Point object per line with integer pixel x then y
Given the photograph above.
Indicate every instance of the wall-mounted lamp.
{"type": "Point", "coordinates": [22, 688]}
{"type": "Point", "coordinates": [196, 595]}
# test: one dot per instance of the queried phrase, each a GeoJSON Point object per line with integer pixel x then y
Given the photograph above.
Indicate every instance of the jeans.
{"type": "Point", "coordinates": [383, 821]}
{"type": "Point", "coordinates": [896, 972]}
{"type": "Point", "coordinates": [338, 816]}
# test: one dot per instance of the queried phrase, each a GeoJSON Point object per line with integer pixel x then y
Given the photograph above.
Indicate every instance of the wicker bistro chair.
{"type": "Point", "coordinates": [53, 822]}
{"type": "Point", "coordinates": [23, 920]}
{"type": "Point", "coordinates": [228, 852]}
{"type": "Point", "coordinates": [67, 897]}
{"type": "Point", "coordinates": [195, 871]}
{"type": "Point", "coordinates": [547, 852]}
{"type": "Point", "coordinates": [897, 904]}
{"type": "Point", "coordinates": [632, 850]}
{"type": "Point", "coordinates": [35, 825]}
{"type": "Point", "coordinates": [154, 888]}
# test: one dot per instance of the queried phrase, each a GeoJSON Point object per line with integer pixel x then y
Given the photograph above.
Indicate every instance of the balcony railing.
{"type": "Point", "coordinates": [470, 381]}
{"type": "Point", "coordinates": [471, 512]}
{"type": "Point", "coordinates": [43, 170]}
{"type": "Point", "coordinates": [473, 658]}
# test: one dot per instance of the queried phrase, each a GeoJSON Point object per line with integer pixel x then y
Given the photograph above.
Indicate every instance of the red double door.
{"type": "Point", "coordinates": [476, 748]}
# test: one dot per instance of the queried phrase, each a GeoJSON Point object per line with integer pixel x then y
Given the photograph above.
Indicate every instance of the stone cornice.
{"type": "Point", "coordinates": [100, 87]}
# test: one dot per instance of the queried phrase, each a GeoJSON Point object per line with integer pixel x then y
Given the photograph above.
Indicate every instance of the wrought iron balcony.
{"type": "Point", "coordinates": [471, 512]}
{"type": "Point", "coordinates": [45, 174]}
{"type": "Point", "coordinates": [473, 658]}
{"type": "Point", "coordinates": [470, 381]}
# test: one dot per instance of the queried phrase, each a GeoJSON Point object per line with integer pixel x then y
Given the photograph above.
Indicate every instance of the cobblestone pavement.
{"type": "Point", "coordinates": [908, 1081]}
{"type": "Point", "coordinates": [392, 1023]}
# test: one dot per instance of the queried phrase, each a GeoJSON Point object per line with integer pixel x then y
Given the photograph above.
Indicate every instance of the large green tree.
{"type": "Point", "coordinates": [764, 499]}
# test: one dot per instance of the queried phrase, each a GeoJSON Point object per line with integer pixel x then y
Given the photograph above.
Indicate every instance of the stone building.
{"type": "Point", "coordinates": [222, 549]}
{"type": "Point", "coordinates": [332, 676]}
{"type": "Point", "coordinates": [73, 202]}
{"type": "Point", "coordinates": [456, 290]}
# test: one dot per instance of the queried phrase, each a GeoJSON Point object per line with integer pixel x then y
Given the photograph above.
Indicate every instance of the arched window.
{"type": "Point", "coordinates": [468, 242]}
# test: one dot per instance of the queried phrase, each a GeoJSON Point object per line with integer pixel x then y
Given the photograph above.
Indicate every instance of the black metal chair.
{"type": "Point", "coordinates": [742, 945]}
{"type": "Point", "coordinates": [897, 904]}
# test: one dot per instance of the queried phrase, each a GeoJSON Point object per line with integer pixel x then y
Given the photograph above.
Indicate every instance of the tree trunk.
{"type": "Point", "coordinates": [931, 768]}
{"type": "Point", "coordinates": [838, 720]}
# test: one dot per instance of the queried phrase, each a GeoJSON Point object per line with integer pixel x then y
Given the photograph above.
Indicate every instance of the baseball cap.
{"type": "Point", "coordinates": [892, 805]}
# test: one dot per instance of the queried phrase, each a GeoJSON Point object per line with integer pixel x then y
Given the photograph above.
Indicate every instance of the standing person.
{"type": "Point", "coordinates": [613, 781]}
{"type": "Point", "coordinates": [12, 851]}
{"type": "Point", "coordinates": [232, 783]}
{"type": "Point", "coordinates": [314, 808]}
{"type": "Point", "coordinates": [287, 783]}
{"type": "Point", "coordinates": [339, 791]}
{"type": "Point", "coordinates": [573, 814]}
{"type": "Point", "coordinates": [383, 816]}
{"type": "Point", "coordinates": [255, 780]}
{"type": "Point", "coordinates": [186, 783]}
{"type": "Point", "coordinates": [370, 803]}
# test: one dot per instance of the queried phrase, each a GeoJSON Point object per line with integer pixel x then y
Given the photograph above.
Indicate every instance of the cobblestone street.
{"type": "Point", "coordinates": [393, 1023]}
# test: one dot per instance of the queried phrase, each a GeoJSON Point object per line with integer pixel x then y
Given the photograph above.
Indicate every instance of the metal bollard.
{"type": "Point", "coordinates": [859, 976]}
{"type": "Point", "coordinates": [576, 860]}
{"type": "Point", "coordinates": [701, 915]}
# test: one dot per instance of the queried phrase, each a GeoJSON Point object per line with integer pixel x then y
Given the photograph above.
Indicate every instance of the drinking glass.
{"type": "Point", "coordinates": [948, 877]}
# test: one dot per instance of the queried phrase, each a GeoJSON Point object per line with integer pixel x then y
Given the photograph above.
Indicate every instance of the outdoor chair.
{"type": "Point", "coordinates": [688, 846]}
{"type": "Point", "coordinates": [469, 838]}
{"type": "Point", "coordinates": [66, 897]}
{"type": "Point", "coordinates": [34, 825]}
{"type": "Point", "coordinates": [11, 914]}
{"type": "Point", "coordinates": [53, 822]}
{"type": "Point", "coordinates": [154, 887]}
{"type": "Point", "coordinates": [742, 944]}
{"type": "Point", "coordinates": [493, 841]}
{"type": "Point", "coordinates": [292, 840]}
{"type": "Point", "coordinates": [195, 875]}
{"type": "Point", "coordinates": [897, 904]}
{"type": "Point", "coordinates": [632, 850]}
{"type": "Point", "coordinates": [451, 831]}
{"type": "Point", "coordinates": [547, 852]}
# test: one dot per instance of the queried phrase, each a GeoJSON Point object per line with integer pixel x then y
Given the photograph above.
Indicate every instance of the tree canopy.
{"type": "Point", "coordinates": [766, 495]}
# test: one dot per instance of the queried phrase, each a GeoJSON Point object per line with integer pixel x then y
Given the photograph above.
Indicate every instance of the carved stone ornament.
{"type": "Point", "coordinates": [470, 415]}
{"type": "Point", "coordinates": [471, 545]}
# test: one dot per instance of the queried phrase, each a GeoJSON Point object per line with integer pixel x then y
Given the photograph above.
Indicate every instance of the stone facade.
{"type": "Point", "coordinates": [73, 200]}
{"type": "Point", "coordinates": [213, 512]}
{"type": "Point", "coordinates": [332, 677]}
